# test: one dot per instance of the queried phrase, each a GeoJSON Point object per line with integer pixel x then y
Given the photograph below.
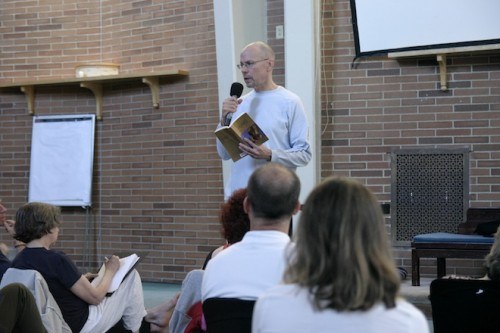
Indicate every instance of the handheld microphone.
{"type": "Point", "coordinates": [236, 91]}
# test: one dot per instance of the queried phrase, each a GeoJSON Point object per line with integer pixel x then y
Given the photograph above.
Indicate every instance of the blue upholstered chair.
{"type": "Point", "coordinates": [464, 244]}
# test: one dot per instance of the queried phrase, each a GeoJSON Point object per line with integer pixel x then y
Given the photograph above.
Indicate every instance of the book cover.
{"type": "Point", "coordinates": [127, 264]}
{"type": "Point", "coordinates": [242, 127]}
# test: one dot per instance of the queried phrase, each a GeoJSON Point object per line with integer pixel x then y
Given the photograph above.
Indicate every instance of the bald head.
{"type": "Point", "coordinates": [273, 192]}
{"type": "Point", "coordinates": [262, 49]}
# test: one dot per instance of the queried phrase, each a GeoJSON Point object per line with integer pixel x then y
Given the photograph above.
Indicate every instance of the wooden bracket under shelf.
{"type": "Point", "coordinates": [96, 88]}
{"type": "Point", "coordinates": [441, 59]}
{"type": "Point", "coordinates": [154, 84]}
{"type": "Point", "coordinates": [95, 84]}
{"type": "Point", "coordinates": [441, 56]}
{"type": "Point", "coordinates": [29, 91]}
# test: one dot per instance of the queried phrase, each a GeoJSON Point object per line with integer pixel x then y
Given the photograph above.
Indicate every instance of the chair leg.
{"type": "Point", "coordinates": [415, 268]}
{"type": "Point", "coordinates": [441, 267]}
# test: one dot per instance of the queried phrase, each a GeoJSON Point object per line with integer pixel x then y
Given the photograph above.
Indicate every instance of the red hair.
{"type": "Point", "coordinates": [234, 220]}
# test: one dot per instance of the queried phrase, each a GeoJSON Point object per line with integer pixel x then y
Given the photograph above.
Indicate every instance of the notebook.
{"type": "Point", "coordinates": [127, 264]}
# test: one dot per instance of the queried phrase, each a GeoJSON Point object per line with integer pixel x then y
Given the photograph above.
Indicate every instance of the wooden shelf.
{"type": "Point", "coordinates": [95, 84]}
{"type": "Point", "coordinates": [441, 55]}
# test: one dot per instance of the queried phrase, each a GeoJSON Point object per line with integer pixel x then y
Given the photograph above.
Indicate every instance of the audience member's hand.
{"type": "Point", "coordinates": [3, 210]}
{"type": "Point", "coordinates": [9, 227]}
{"type": "Point", "coordinates": [112, 264]}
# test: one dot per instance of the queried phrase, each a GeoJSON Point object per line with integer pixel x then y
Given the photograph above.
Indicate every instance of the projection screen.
{"type": "Point", "coordinates": [383, 26]}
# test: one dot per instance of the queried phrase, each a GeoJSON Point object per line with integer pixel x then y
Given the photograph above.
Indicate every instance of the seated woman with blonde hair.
{"type": "Point", "coordinates": [341, 276]}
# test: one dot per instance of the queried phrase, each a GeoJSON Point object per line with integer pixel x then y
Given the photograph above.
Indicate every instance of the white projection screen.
{"type": "Point", "coordinates": [383, 26]}
{"type": "Point", "coordinates": [62, 154]}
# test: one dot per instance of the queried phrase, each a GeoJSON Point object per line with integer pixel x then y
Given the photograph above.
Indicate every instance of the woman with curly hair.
{"type": "Point", "coordinates": [234, 222]}
{"type": "Point", "coordinates": [341, 275]}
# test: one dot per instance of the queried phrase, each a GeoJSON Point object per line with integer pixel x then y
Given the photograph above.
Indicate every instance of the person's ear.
{"type": "Point", "coordinates": [297, 208]}
{"type": "Point", "coordinates": [246, 205]}
{"type": "Point", "coordinates": [270, 64]}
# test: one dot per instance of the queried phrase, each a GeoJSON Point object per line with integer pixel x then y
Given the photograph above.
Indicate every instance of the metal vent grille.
{"type": "Point", "coordinates": [430, 189]}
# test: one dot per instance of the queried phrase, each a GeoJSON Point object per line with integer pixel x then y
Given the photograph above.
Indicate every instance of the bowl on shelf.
{"type": "Point", "coordinates": [96, 69]}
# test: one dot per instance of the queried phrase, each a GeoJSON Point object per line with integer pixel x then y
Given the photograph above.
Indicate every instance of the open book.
{"type": "Point", "coordinates": [127, 264]}
{"type": "Point", "coordinates": [241, 127]}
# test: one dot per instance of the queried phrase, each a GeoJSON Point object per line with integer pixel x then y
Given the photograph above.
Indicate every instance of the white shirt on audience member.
{"type": "Point", "coordinates": [248, 268]}
{"type": "Point", "coordinates": [287, 308]}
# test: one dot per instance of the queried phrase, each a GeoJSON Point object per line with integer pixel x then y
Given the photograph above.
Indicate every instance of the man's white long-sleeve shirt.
{"type": "Point", "coordinates": [281, 116]}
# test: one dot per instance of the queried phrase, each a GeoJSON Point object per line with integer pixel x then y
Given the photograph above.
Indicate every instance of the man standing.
{"type": "Point", "coordinates": [278, 112]}
{"type": "Point", "coordinates": [248, 268]}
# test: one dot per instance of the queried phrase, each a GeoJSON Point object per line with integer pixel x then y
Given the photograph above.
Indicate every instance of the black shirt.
{"type": "Point", "coordinates": [4, 264]}
{"type": "Point", "coordinates": [61, 274]}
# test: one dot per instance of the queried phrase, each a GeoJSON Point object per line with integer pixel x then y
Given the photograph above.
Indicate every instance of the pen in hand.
{"type": "Point", "coordinates": [112, 263]}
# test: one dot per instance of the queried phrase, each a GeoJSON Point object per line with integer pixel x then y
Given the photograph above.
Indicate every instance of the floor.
{"type": "Point", "coordinates": [156, 293]}
{"type": "Point", "coordinates": [419, 296]}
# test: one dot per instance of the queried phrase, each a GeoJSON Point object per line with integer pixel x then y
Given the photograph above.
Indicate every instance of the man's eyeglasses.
{"type": "Point", "coordinates": [249, 64]}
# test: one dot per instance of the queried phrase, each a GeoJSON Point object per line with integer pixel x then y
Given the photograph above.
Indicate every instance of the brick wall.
{"type": "Point", "coordinates": [157, 184]}
{"type": "Point", "coordinates": [275, 17]}
{"type": "Point", "coordinates": [157, 178]}
{"type": "Point", "coordinates": [380, 104]}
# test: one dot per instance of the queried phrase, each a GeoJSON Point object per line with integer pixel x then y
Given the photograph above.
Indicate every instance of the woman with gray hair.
{"type": "Point", "coordinates": [341, 275]}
